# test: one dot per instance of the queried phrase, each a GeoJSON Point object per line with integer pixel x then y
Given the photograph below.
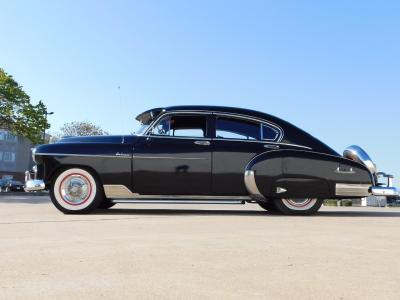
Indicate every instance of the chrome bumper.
{"type": "Point", "coordinates": [384, 190]}
{"type": "Point", "coordinates": [33, 185]}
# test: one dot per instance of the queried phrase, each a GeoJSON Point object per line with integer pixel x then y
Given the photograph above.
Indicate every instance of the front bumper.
{"type": "Point", "coordinates": [33, 185]}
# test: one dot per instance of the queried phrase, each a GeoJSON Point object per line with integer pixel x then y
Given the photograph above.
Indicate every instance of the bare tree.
{"type": "Point", "coordinates": [81, 128]}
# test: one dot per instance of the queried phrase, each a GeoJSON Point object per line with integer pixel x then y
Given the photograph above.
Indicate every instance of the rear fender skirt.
{"type": "Point", "coordinates": [300, 173]}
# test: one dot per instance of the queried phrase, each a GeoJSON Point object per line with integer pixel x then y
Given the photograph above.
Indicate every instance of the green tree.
{"type": "Point", "coordinates": [17, 114]}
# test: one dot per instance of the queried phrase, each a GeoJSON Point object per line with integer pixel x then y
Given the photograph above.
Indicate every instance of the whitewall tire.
{"type": "Point", "coordinates": [298, 206]}
{"type": "Point", "coordinates": [76, 190]}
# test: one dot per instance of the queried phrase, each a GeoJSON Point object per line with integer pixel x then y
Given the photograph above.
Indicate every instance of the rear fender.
{"type": "Point", "coordinates": [301, 174]}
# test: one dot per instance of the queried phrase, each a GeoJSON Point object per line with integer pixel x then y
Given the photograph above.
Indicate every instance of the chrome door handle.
{"type": "Point", "coordinates": [269, 146]}
{"type": "Point", "coordinates": [202, 143]}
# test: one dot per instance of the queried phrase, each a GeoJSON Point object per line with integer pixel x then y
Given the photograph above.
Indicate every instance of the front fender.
{"type": "Point", "coordinates": [112, 162]}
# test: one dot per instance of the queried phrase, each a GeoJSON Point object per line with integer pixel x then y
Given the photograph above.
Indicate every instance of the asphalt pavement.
{"type": "Point", "coordinates": [196, 252]}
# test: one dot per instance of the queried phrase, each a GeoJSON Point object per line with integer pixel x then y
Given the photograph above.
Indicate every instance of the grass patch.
{"type": "Point", "coordinates": [333, 202]}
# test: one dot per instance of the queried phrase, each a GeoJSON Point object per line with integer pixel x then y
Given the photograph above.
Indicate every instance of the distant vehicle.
{"type": "Point", "coordinates": [2, 185]}
{"type": "Point", "coordinates": [204, 154]}
{"type": "Point", "coordinates": [393, 200]}
{"type": "Point", "coordinates": [11, 185]}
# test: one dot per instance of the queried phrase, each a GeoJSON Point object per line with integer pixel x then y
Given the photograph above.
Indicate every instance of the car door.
{"type": "Point", "coordinates": [237, 140]}
{"type": "Point", "coordinates": [174, 158]}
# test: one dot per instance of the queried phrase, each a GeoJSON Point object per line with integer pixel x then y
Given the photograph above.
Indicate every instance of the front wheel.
{"type": "Point", "coordinates": [298, 206]}
{"type": "Point", "coordinates": [76, 191]}
{"type": "Point", "coordinates": [106, 204]}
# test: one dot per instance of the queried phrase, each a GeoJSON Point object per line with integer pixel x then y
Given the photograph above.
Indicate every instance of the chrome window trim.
{"type": "Point", "coordinates": [273, 127]}
{"type": "Point", "coordinates": [155, 122]}
{"type": "Point", "coordinates": [260, 121]}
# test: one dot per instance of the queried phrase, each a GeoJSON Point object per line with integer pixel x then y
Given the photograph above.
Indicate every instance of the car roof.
{"type": "Point", "coordinates": [225, 109]}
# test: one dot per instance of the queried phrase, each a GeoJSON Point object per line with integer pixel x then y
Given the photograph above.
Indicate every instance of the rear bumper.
{"type": "Point", "coordinates": [33, 184]}
{"type": "Point", "coordinates": [365, 190]}
{"type": "Point", "coordinates": [384, 191]}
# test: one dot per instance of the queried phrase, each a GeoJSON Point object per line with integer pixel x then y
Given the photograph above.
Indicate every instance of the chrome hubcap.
{"type": "Point", "coordinates": [75, 189]}
{"type": "Point", "coordinates": [299, 203]}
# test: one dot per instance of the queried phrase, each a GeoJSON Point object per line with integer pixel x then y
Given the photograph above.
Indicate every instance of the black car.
{"type": "Point", "coordinates": [204, 154]}
{"type": "Point", "coordinates": [11, 185]}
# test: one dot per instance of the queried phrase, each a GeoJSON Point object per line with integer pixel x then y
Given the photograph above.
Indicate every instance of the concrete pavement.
{"type": "Point", "coordinates": [196, 252]}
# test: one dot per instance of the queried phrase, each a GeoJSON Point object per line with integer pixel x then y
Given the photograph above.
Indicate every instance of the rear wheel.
{"type": "Point", "coordinates": [76, 191]}
{"type": "Point", "coordinates": [298, 206]}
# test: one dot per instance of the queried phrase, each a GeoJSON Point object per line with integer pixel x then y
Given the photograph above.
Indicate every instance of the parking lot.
{"type": "Point", "coordinates": [196, 252]}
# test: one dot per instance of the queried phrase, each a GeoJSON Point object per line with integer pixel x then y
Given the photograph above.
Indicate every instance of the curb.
{"type": "Point", "coordinates": [29, 194]}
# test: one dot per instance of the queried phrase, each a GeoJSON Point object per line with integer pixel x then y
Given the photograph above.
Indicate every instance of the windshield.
{"type": "Point", "coordinates": [146, 118]}
{"type": "Point", "coordinates": [142, 128]}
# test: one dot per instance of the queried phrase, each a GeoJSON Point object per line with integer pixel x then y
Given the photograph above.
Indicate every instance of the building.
{"type": "Point", "coordinates": [15, 155]}
{"type": "Point", "coordinates": [379, 201]}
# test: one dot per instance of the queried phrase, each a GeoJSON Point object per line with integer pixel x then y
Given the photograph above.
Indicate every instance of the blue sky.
{"type": "Point", "coordinates": [330, 67]}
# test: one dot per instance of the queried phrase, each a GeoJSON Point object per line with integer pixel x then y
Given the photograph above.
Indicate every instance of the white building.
{"type": "Point", "coordinates": [379, 201]}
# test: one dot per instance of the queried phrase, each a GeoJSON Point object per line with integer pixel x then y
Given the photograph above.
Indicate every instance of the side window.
{"type": "Point", "coordinates": [269, 133]}
{"type": "Point", "coordinates": [182, 126]}
{"type": "Point", "coordinates": [232, 128]}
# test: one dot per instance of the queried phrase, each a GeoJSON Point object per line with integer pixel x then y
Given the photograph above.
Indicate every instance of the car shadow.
{"type": "Point", "coordinates": [219, 212]}
{"type": "Point", "coordinates": [386, 213]}
{"type": "Point", "coordinates": [167, 212]}
{"type": "Point", "coordinates": [359, 213]}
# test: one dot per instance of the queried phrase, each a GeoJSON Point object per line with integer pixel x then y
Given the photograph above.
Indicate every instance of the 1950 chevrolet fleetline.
{"type": "Point", "coordinates": [204, 154]}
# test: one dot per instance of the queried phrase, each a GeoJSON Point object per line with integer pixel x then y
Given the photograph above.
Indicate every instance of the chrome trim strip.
{"type": "Point", "coordinates": [192, 197]}
{"type": "Point", "coordinates": [263, 142]}
{"type": "Point", "coordinates": [118, 191]}
{"type": "Point", "coordinates": [251, 186]}
{"type": "Point", "coordinates": [168, 157]}
{"type": "Point", "coordinates": [160, 201]}
{"type": "Point", "coordinates": [89, 155]}
{"type": "Point", "coordinates": [353, 190]}
{"type": "Point", "coordinates": [229, 140]}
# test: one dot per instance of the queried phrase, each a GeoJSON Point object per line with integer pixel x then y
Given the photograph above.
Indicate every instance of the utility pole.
{"type": "Point", "coordinates": [44, 130]}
